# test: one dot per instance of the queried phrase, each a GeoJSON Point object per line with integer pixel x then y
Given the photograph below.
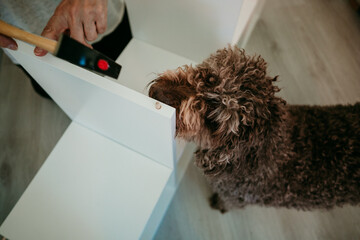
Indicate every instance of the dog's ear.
{"type": "Point", "coordinates": [240, 96]}
{"type": "Point", "coordinates": [239, 112]}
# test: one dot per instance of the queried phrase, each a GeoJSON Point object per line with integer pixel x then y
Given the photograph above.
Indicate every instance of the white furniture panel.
{"type": "Point", "coordinates": [188, 28]}
{"type": "Point", "coordinates": [169, 191]}
{"type": "Point", "coordinates": [142, 62]}
{"type": "Point", "coordinates": [108, 192]}
{"type": "Point", "coordinates": [115, 111]}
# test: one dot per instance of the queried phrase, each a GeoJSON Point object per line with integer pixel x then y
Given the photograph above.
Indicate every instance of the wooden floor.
{"type": "Point", "coordinates": [314, 45]}
{"type": "Point", "coordinates": [30, 126]}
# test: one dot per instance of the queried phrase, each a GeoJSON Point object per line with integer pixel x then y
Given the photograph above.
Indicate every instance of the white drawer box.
{"type": "Point", "coordinates": [113, 173]}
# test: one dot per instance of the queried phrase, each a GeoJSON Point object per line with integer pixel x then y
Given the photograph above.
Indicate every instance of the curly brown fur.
{"type": "Point", "coordinates": [253, 147]}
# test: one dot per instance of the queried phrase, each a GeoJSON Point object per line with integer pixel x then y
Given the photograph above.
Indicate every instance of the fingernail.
{"type": "Point", "coordinates": [13, 47]}
{"type": "Point", "coordinates": [47, 29]}
{"type": "Point", "coordinates": [37, 51]}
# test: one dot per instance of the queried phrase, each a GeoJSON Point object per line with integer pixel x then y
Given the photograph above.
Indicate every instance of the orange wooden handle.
{"type": "Point", "coordinates": [14, 32]}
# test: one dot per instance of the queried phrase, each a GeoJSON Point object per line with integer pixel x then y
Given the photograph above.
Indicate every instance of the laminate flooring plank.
{"type": "Point", "coordinates": [30, 126]}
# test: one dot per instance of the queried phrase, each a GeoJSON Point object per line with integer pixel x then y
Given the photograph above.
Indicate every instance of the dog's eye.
{"type": "Point", "coordinates": [211, 81]}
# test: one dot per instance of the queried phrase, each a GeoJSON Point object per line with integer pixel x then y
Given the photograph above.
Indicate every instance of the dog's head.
{"type": "Point", "coordinates": [221, 99]}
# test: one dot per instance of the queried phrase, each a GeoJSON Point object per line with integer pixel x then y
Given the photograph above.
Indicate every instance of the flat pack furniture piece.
{"type": "Point", "coordinates": [116, 168]}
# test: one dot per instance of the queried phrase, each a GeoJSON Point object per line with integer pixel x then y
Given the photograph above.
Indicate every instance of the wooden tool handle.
{"type": "Point", "coordinates": [14, 32]}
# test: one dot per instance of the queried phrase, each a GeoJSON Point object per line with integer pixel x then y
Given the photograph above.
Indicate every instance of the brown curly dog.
{"type": "Point", "coordinates": [252, 146]}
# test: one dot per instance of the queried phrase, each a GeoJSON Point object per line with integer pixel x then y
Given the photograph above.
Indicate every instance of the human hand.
{"type": "Point", "coordinates": [84, 19]}
{"type": "Point", "coordinates": [7, 42]}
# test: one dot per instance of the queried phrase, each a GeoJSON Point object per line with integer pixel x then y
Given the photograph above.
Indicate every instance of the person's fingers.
{"type": "Point", "coordinates": [88, 21]}
{"type": "Point", "coordinates": [7, 42]}
{"type": "Point", "coordinates": [85, 19]}
{"type": "Point", "coordinates": [77, 32]}
{"type": "Point", "coordinates": [90, 30]}
{"type": "Point", "coordinates": [53, 30]}
{"type": "Point", "coordinates": [101, 19]}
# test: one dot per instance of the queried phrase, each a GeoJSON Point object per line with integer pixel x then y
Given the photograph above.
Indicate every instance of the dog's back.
{"type": "Point", "coordinates": [325, 168]}
{"type": "Point", "coordinates": [316, 166]}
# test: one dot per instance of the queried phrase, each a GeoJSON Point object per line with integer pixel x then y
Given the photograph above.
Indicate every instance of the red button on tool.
{"type": "Point", "coordinates": [103, 64]}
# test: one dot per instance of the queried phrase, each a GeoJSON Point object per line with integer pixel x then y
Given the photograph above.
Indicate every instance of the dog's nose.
{"type": "Point", "coordinates": [158, 94]}
{"type": "Point", "coordinates": [153, 92]}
